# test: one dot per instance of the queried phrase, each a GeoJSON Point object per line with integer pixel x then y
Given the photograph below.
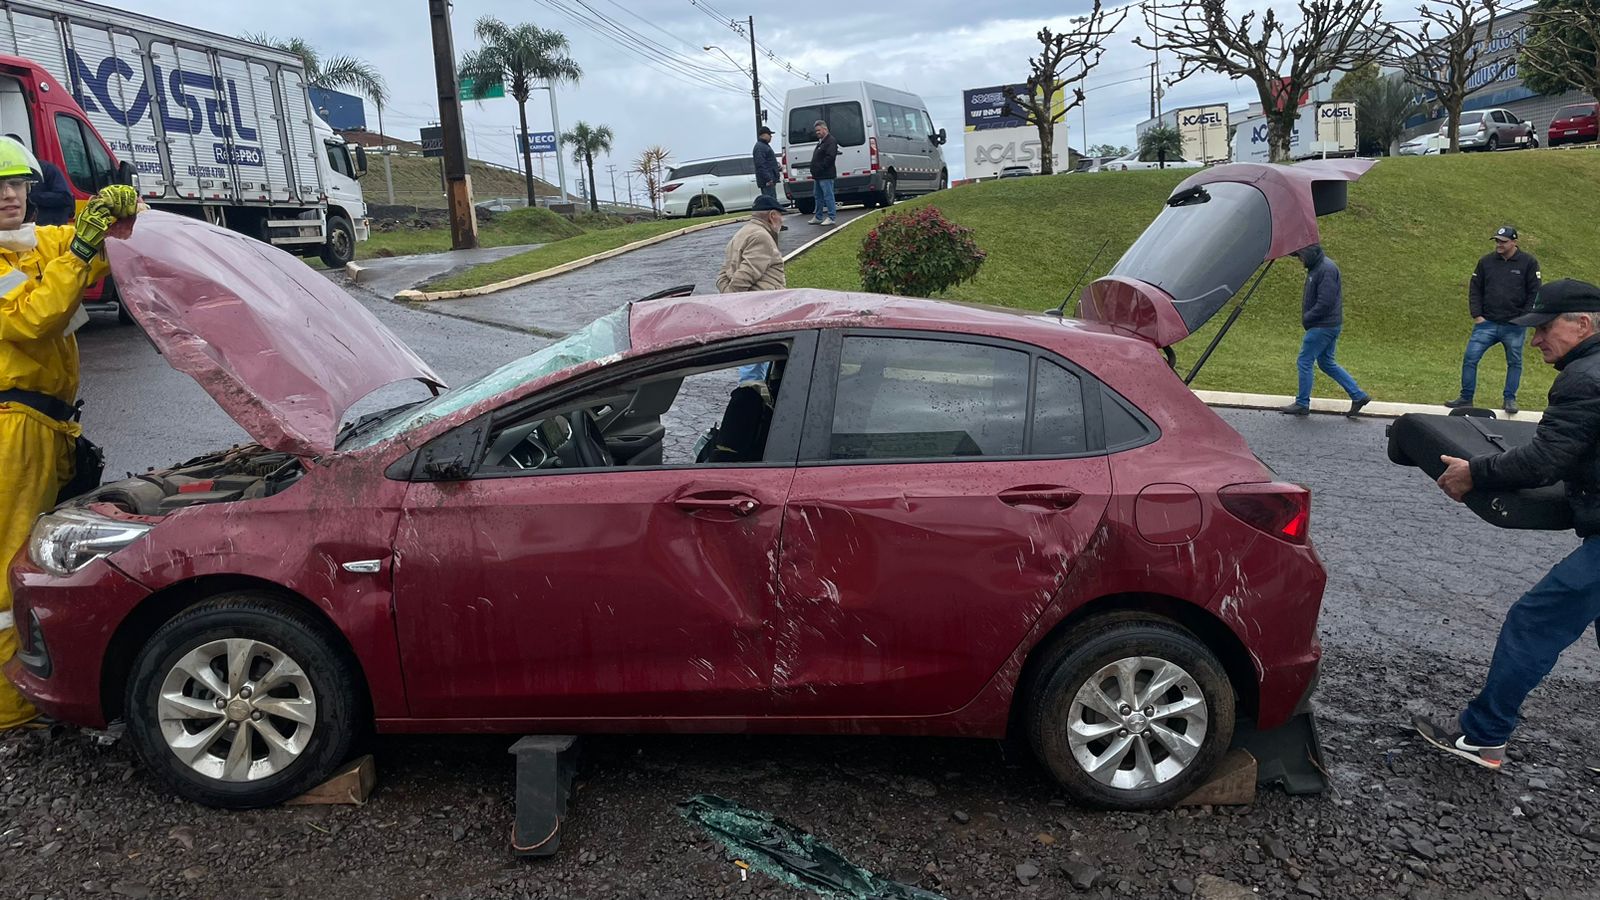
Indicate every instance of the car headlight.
{"type": "Point", "coordinates": [66, 540]}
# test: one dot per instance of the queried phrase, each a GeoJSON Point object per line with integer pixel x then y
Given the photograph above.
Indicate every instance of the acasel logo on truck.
{"type": "Point", "coordinates": [205, 107]}
{"type": "Point", "coordinates": [1202, 119]}
{"type": "Point", "coordinates": [1337, 112]}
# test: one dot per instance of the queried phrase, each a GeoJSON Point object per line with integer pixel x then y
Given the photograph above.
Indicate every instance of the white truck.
{"type": "Point", "coordinates": [214, 126]}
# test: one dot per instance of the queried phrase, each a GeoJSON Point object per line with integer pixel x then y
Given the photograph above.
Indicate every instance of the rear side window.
{"type": "Point", "coordinates": [691, 170]}
{"type": "Point", "coordinates": [1123, 428]}
{"type": "Point", "coordinates": [844, 123]}
{"type": "Point", "coordinates": [730, 168]}
{"type": "Point", "coordinates": [1058, 422]}
{"type": "Point", "coordinates": [900, 398]}
{"type": "Point", "coordinates": [75, 153]}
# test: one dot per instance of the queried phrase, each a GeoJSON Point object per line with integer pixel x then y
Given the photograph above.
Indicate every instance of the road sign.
{"type": "Point", "coordinates": [433, 141]}
{"type": "Point", "coordinates": [543, 142]}
{"type": "Point", "coordinates": [470, 90]}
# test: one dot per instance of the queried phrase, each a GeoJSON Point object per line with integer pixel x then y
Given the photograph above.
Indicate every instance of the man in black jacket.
{"type": "Point", "coordinates": [1503, 286]}
{"type": "Point", "coordinates": [1557, 610]}
{"type": "Point", "coordinates": [824, 169]}
{"type": "Point", "coordinates": [1322, 316]}
{"type": "Point", "coordinates": [767, 173]}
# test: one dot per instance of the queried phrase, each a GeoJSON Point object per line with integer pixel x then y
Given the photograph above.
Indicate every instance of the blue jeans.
{"type": "Point", "coordinates": [1486, 334]}
{"type": "Point", "coordinates": [1317, 348]}
{"type": "Point", "coordinates": [1547, 620]}
{"type": "Point", "coordinates": [770, 190]}
{"type": "Point", "coordinates": [753, 372]}
{"type": "Point", "coordinates": [825, 199]}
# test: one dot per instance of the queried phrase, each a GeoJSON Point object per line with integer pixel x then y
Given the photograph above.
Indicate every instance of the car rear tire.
{"type": "Point", "coordinates": [242, 664]}
{"type": "Point", "coordinates": [890, 193]}
{"type": "Point", "coordinates": [341, 246]}
{"type": "Point", "coordinates": [703, 206]}
{"type": "Point", "coordinates": [1494, 143]}
{"type": "Point", "coordinates": [805, 207]}
{"type": "Point", "coordinates": [1134, 714]}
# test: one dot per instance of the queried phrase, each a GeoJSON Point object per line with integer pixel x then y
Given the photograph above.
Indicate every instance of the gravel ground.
{"type": "Point", "coordinates": [1416, 591]}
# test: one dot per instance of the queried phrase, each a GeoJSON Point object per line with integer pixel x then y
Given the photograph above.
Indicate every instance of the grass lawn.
{"type": "Point", "coordinates": [1407, 246]}
{"type": "Point", "coordinates": [565, 251]}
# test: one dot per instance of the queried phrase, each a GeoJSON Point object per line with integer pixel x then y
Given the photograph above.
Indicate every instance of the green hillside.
{"type": "Point", "coordinates": [1407, 246]}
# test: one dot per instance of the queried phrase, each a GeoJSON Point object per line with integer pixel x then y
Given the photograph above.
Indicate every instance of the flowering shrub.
{"type": "Point", "coordinates": [918, 254]}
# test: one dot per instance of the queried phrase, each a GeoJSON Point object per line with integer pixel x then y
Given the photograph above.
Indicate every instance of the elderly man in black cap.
{"type": "Point", "coordinates": [1503, 285]}
{"type": "Point", "coordinates": [1555, 612]}
{"type": "Point", "coordinates": [767, 171]}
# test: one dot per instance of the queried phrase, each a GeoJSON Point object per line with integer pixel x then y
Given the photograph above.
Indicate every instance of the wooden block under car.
{"type": "Point", "coordinates": [1232, 784]}
{"type": "Point", "coordinates": [352, 784]}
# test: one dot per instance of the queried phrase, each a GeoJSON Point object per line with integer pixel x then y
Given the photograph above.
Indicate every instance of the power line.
{"type": "Point", "coordinates": [738, 28]}
{"type": "Point", "coordinates": [652, 53]}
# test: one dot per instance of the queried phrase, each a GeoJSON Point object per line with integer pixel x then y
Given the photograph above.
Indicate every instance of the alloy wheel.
{"type": "Point", "coordinates": [237, 710]}
{"type": "Point", "coordinates": [1137, 723]}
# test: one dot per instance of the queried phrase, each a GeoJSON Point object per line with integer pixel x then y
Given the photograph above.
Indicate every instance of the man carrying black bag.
{"type": "Point", "coordinates": [1556, 611]}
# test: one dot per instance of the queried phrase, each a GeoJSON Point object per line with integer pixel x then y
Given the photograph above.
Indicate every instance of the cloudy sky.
{"type": "Point", "coordinates": [934, 48]}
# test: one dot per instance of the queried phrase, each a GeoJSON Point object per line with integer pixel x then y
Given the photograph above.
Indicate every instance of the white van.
{"type": "Point", "coordinates": [888, 147]}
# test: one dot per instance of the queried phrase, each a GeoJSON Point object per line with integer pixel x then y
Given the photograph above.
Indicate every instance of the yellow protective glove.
{"type": "Point", "coordinates": [118, 201]}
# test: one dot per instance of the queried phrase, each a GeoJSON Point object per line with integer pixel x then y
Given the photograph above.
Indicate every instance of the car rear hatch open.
{"type": "Point", "coordinates": [281, 348]}
{"type": "Point", "coordinates": [1217, 229]}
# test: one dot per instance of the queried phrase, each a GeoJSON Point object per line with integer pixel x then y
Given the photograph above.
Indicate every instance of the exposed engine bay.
{"type": "Point", "coordinates": [246, 472]}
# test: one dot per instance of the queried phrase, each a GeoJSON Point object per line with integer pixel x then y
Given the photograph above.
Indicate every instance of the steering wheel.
{"type": "Point", "coordinates": [591, 446]}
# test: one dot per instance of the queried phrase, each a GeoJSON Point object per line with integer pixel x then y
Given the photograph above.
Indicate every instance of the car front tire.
{"type": "Point", "coordinates": [1133, 714]}
{"type": "Point", "coordinates": [241, 702]}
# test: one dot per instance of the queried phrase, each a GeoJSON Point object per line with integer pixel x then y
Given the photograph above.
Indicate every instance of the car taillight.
{"type": "Point", "coordinates": [671, 187]}
{"type": "Point", "coordinates": [872, 152]}
{"type": "Point", "coordinates": [1281, 510]}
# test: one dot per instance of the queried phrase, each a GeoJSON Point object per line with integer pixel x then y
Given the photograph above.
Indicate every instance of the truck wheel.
{"type": "Point", "coordinates": [242, 702]}
{"type": "Point", "coordinates": [890, 193]}
{"type": "Point", "coordinates": [341, 245]}
{"type": "Point", "coordinates": [1133, 715]}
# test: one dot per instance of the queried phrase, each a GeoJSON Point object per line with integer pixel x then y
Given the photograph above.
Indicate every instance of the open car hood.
{"type": "Point", "coordinates": [1216, 230]}
{"type": "Point", "coordinates": [280, 347]}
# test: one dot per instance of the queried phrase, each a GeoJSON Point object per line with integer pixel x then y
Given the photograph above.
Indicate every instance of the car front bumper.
{"type": "Point", "coordinates": [66, 627]}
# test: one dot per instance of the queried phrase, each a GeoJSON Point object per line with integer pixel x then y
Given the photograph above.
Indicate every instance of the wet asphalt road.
{"type": "Point", "coordinates": [1417, 587]}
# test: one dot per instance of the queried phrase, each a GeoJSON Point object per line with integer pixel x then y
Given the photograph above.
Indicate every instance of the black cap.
{"type": "Point", "coordinates": [766, 204]}
{"type": "Point", "coordinates": [1565, 296]}
{"type": "Point", "coordinates": [763, 130]}
{"type": "Point", "coordinates": [1505, 233]}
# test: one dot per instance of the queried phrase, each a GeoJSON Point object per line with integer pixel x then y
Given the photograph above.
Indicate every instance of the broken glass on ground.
{"type": "Point", "coordinates": [796, 858]}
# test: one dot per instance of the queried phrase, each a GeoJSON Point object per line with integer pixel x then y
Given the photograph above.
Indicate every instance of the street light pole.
{"type": "Point", "coordinates": [458, 180]}
{"type": "Point", "coordinates": [755, 84]}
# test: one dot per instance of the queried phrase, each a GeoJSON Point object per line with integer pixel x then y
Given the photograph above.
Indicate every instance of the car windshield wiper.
{"type": "Point", "coordinates": [368, 421]}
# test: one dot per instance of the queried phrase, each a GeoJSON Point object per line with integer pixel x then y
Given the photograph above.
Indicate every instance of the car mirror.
{"type": "Point", "coordinates": [361, 160]}
{"type": "Point", "coordinates": [939, 138]}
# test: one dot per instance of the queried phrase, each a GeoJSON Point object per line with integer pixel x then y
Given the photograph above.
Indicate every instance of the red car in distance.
{"type": "Point", "coordinates": [1577, 123]}
{"type": "Point", "coordinates": [921, 518]}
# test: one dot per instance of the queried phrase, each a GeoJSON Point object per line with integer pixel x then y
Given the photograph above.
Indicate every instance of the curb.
{"type": "Point", "coordinates": [821, 237]}
{"type": "Point", "coordinates": [414, 295]}
{"type": "Point", "coordinates": [354, 272]}
{"type": "Point", "coordinates": [1375, 409]}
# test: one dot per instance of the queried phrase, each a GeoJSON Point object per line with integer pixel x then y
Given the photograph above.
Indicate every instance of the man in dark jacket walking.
{"type": "Point", "coordinates": [1556, 611]}
{"type": "Point", "coordinates": [1322, 316]}
{"type": "Point", "coordinates": [824, 170]}
{"type": "Point", "coordinates": [767, 172]}
{"type": "Point", "coordinates": [1503, 287]}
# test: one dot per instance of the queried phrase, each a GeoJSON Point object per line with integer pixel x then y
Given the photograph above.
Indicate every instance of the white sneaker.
{"type": "Point", "coordinates": [829, 222]}
{"type": "Point", "coordinates": [814, 221]}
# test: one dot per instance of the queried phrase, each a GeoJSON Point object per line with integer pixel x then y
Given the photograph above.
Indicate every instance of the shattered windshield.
{"type": "Point", "coordinates": [603, 337]}
{"type": "Point", "coordinates": [1202, 250]}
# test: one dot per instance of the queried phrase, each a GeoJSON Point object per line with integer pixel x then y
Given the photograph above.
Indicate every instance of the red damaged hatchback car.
{"type": "Point", "coordinates": [913, 518]}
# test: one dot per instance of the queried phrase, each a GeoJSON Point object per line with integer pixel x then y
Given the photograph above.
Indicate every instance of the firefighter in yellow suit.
{"type": "Point", "coordinates": [44, 271]}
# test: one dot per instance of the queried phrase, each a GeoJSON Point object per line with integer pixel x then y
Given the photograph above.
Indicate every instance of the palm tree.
{"type": "Point", "coordinates": [333, 73]}
{"type": "Point", "coordinates": [518, 56]}
{"type": "Point", "coordinates": [587, 143]}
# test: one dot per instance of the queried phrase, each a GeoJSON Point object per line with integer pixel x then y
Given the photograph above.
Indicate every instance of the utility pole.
{"type": "Point", "coordinates": [755, 82]}
{"type": "Point", "coordinates": [628, 176]}
{"type": "Point", "coordinates": [612, 171]}
{"type": "Point", "coordinates": [458, 180]}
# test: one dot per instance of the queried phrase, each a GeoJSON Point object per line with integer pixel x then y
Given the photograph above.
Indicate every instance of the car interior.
{"type": "Point", "coordinates": [712, 413]}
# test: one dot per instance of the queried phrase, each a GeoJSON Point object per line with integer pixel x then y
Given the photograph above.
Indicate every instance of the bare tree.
{"type": "Point", "coordinates": [1562, 50]}
{"type": "Point", "coordinates": [1440, 53]}
{"type": "Point", "coordinates": [1283, 62]}
{"type": "Point", "coordinates": [1064, 59]}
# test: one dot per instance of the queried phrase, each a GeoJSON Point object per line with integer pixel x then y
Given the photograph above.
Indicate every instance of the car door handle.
{"type": "Point", "coordinates": [739, 504]}
{"type": "Point", "coordinates": [1047, 495]}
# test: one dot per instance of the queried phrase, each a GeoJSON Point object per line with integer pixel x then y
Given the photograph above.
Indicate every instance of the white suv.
{"type": "Point", "coordinates": [711, 186]}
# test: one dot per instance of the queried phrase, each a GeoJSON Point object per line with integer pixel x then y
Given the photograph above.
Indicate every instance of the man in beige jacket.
{"type": "Point", "coordinates": [752, 261]}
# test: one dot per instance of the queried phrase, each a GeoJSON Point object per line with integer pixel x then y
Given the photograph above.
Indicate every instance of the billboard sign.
{"type": "Point", "coordinates": [543, 142]}
{"type": "Point", "coordinates": [1336, 128]}
{"type": "Point", "coordinates": [1205, 133]}
{"type": "Point", "coordinates": [986, 108]}
{"type": "Point", "coordinates": [990, 150]}
{"type": "Point", "coordinates": [433, 141]}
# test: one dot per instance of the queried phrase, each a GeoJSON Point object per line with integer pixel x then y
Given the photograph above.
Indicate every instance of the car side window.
{"type": "Point", "coordinates": [745, 165]}
{"type": "Point", "coordinates": [1058, 419]}
{"type": "Point", "coordinates": [927, 124]}
{"type": "Point", "coordinates": [75, 153]}
{"type": "Point", "coordinates": [908, 398]}
{"type": "Point", "coordinates": [725, 168]}
{"type": "Point", "coordinates": [338, 160]}
{"type": "Point", "coordinates": [701, 415]}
